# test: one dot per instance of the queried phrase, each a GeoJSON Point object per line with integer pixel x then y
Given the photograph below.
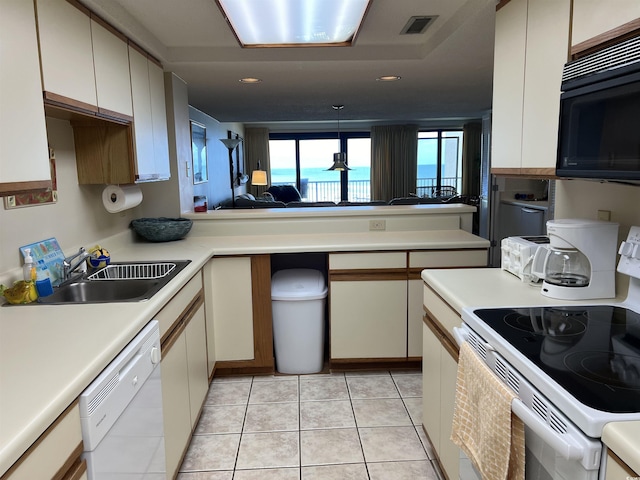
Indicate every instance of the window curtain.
{"type": "Point", "coordinates": [256, 150]}
{"type": "Point", "coordinates": [471, 156]}
{"type": "Point", "coordinates": [394, 161]}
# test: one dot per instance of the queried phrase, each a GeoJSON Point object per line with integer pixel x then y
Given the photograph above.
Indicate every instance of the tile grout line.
{"type": "Point", "coordinates": [355, 421]}
{"type": "Point", "coordinates": [244, 421]}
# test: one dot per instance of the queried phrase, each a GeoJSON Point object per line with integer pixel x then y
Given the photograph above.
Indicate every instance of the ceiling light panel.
{"type": "Point", "coordinates": [287, 23]}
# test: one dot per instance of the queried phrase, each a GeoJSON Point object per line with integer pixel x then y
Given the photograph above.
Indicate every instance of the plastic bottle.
{"type": "Point", "coordinates": [43, 280]}
{"type": "Point", "coordinates": [29, 268]}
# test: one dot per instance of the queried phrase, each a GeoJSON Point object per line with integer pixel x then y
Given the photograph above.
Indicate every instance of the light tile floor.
{"type": "Point", "coordinates": [347, 426]}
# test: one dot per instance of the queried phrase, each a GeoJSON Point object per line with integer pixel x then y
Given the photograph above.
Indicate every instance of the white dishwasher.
{"type": "Point", "coordinates": [121, 414]}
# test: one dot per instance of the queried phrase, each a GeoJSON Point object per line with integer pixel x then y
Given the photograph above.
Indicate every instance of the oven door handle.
{"type": "Point", "coordinates": [559, 444]}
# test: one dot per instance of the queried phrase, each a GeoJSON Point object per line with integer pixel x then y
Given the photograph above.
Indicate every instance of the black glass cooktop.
{"type": "Point", "coordinates": [593, 352]}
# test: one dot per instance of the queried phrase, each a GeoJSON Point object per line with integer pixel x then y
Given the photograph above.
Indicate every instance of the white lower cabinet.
{"type": "Point", "coordinates": [368, 319]}
{"type": "Point", "coordinates": [231, 307]}
{"type": "Point", "coordinates": [56, 454]}
{"type": "Point", "coordinates": [439, 373]}
{"type": "Point", "coordinates": [185, 378]}
{"type": "Point", "coordinates": [375, 300]}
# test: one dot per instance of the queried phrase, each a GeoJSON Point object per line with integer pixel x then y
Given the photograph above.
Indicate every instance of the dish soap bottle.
{"type": "Point", "coordinates": [43, 280]}
{"type": "Point", "coordinates": [29, 268]}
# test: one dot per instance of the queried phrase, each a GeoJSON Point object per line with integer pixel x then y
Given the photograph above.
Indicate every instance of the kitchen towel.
{"type": "Point", "coordinates": [116, 198]}
{"type": "Point", "coordinates": [483, 424]}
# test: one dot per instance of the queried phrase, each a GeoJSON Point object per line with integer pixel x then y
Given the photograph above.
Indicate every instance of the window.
{"type": "Point", "coordinates": [303, 159]}
{"type": "Point", "coordinates": [439, 162]}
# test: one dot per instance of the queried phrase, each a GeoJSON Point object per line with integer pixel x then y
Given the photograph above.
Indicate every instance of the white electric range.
{"type": "Point", "coordinates": [574, 368]}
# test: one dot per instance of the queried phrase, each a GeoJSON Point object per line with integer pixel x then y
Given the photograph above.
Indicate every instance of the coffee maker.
{"type": "Point", "coordinates": [579, 263]}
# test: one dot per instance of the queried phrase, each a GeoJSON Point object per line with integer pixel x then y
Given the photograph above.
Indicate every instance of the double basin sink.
{"type": "Point", "coordinates": [117, 282]}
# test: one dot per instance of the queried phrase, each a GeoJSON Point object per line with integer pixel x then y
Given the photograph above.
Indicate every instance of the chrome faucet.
{"type": "Point", "coordinates": [68, 267]}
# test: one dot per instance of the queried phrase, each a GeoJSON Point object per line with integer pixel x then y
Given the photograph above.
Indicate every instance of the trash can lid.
{"type": "Point", "coordinates": [298, 284]}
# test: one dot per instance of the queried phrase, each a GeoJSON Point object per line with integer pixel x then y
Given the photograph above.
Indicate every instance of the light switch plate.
{"type": "Point", "coordinates": [377, 224]}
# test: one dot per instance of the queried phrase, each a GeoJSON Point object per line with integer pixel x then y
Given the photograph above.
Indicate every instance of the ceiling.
{"type": "Point", "coordinates": [446, 71]}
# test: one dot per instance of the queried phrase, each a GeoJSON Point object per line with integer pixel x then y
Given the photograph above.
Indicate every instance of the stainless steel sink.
{"type": "Point", "coordinates": [118, 282]}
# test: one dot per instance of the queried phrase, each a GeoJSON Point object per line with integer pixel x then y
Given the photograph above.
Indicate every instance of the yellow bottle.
{"type": "Point", "coordinates": [29, 267]}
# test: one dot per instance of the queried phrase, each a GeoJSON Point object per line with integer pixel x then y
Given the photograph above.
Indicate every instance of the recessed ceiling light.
{"type": "Point", "coordinates": [388, 78]}
{"type": "Point", "coordinates": [294, 23]}
{"type": "Point", "coordinates": [250, 80]}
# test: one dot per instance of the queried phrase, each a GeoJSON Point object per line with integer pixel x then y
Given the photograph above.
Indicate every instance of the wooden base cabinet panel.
{"type": "Point", "coordinates": [414, 318]}
{"type": "Point", "coordinates": [368, 319]}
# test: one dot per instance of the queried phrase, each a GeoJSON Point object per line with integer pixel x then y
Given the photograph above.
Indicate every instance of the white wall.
{"type": "Point", "coordinates": [77, 219]}
{"type": "Point", "coordinates": [218, 187]}
{"type": "Point", "coordinates": [583, 199]}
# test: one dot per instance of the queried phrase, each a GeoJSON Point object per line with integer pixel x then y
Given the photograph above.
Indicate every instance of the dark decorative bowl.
{"type": "Point", "coordinates": [161, 229]}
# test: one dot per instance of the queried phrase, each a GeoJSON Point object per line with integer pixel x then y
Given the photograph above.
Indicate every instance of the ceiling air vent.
{"type": "Point", "coordinates": [417, 25]}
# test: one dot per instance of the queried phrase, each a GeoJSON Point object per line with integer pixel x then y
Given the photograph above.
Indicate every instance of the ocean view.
{"type": "Point", "coordinates": [288, 175]}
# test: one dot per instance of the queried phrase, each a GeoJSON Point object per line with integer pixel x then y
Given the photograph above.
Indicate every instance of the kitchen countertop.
{"type": "Point", "coordinates": [493, 287]}
{"type": "Point", "coordinates": [50, 354]}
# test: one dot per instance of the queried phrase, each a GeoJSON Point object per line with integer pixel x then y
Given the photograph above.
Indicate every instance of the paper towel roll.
{"type": "Point", "coordinates": [117, 198]}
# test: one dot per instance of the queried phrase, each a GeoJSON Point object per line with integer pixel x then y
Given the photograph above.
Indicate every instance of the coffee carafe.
{"type": "Point", "coordinates": [579, 261]}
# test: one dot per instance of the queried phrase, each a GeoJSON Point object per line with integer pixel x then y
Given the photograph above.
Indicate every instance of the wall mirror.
{"type": "Point", "coordinates": [199, 152]}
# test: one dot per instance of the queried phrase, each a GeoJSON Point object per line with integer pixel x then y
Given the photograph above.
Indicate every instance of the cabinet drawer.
{"type": "Point", "coordinates": [440, 310]}
{"type": "Point", "coordinates": [446, 258]}
{"type": "Point", "coordinates": [60, 445]}
{"type": "Point", "coordinates": [353, 261]}
{"type": "Point", "coordinates": [178, 304]}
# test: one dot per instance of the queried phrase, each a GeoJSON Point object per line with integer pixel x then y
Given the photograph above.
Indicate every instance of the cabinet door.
{"type": "Point", "coordinates": [508, 84]}
{"type": "Point", "coordinates": [449, 452]}
{"type": "Point", "coordinates": [66, 55]}
{"type": "Point", "coordinates": [231, 302]}
{"type": "Point", "coordinates": [368, 319]}
{"type": "Point", "coordinates": [595, 17]}
{"type": "Point", "coordinates": [431, 403]}
{"type": "Point", "coordinates": [54, 450]}
{"type": "Point", "coordinates": [531, 47]}
{"type": "Point", "coordinates": [196, 338]}
{"type": "Point", "coordinates": [149, 118]}
{"type": "Point", "coordinates": [547, 51]}
{"type": "Point", "coordinates": [142, 118]}
{"type": "Point", "coordinates": [414, 318]}
{"type": "Point", "coordinates": [175, 402]}
{"type": "Point", "coordinates": [111, 63]}
{"type": "Point", "coordinates": [159, 121]}
{"type": "Point", "coordinates": [24, 155]}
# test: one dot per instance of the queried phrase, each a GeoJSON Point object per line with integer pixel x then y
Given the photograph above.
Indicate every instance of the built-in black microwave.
{"type": "Point", "coordinates": [599, 131]}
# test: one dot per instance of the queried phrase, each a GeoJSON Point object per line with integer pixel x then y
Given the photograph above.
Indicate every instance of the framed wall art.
{"type": "Point", "coordinates": [199, 152]}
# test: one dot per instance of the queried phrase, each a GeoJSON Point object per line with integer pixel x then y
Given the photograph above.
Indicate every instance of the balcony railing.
{"type": "Point", "coordinates": [360, 190]}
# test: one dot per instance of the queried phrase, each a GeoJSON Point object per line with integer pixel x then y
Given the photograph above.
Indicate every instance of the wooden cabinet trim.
{"type": "Point", "coordinates": [13, 188]}
{"type": "Point", "coordinates": [174, 332]}
{"type": "Point", "coordinates": [612, 456]}
{"type": "Point", "coordinates": [542, 173]}
{"type": "Point", "coordinates": [72, 465]}
{"type": "Point", "coordinates": [367, 275]}
{"type": "Point", "coordinates": [501, 4]}
{"type": "Point", "coordinates": [415, 273]}
{"type": "Point", "coordinates": [262, 313]}
{"type": "Point", "coordinates": [606, 39]}
{"type": "Point", "coordinates": [443, 336]}
{"type": "Point", "coordinates": [54, 100]}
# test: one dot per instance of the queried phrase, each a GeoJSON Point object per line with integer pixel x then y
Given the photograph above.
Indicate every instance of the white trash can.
{"type": "Point", "coordinates": [298, 301]}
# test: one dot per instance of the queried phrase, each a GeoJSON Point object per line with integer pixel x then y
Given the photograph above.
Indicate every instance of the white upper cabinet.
{"type": "Point", "coordinates": [531, 48]}
{"type": "Point", "coordinates": [85, 63]}
{"type": "Point", "coordinates": [111, 63]}
{"type": "Point", "coordinates": [592, 18]}
{"type": "Point", "coordinates": [150, 121]}
{"type": "Point", "coordinates": [24, 156]}
{"type": "Point", "coordinates": [66, 53]}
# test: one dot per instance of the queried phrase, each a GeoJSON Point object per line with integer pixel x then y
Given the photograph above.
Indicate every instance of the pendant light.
{"type": "Point", "coordinates": [340, 158]}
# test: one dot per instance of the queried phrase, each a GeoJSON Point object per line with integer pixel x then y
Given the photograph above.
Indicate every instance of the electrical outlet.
{"type": "Point", "coordinates": [604, 215]}
{"type": "Point", "coordinates": [377, 224]}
